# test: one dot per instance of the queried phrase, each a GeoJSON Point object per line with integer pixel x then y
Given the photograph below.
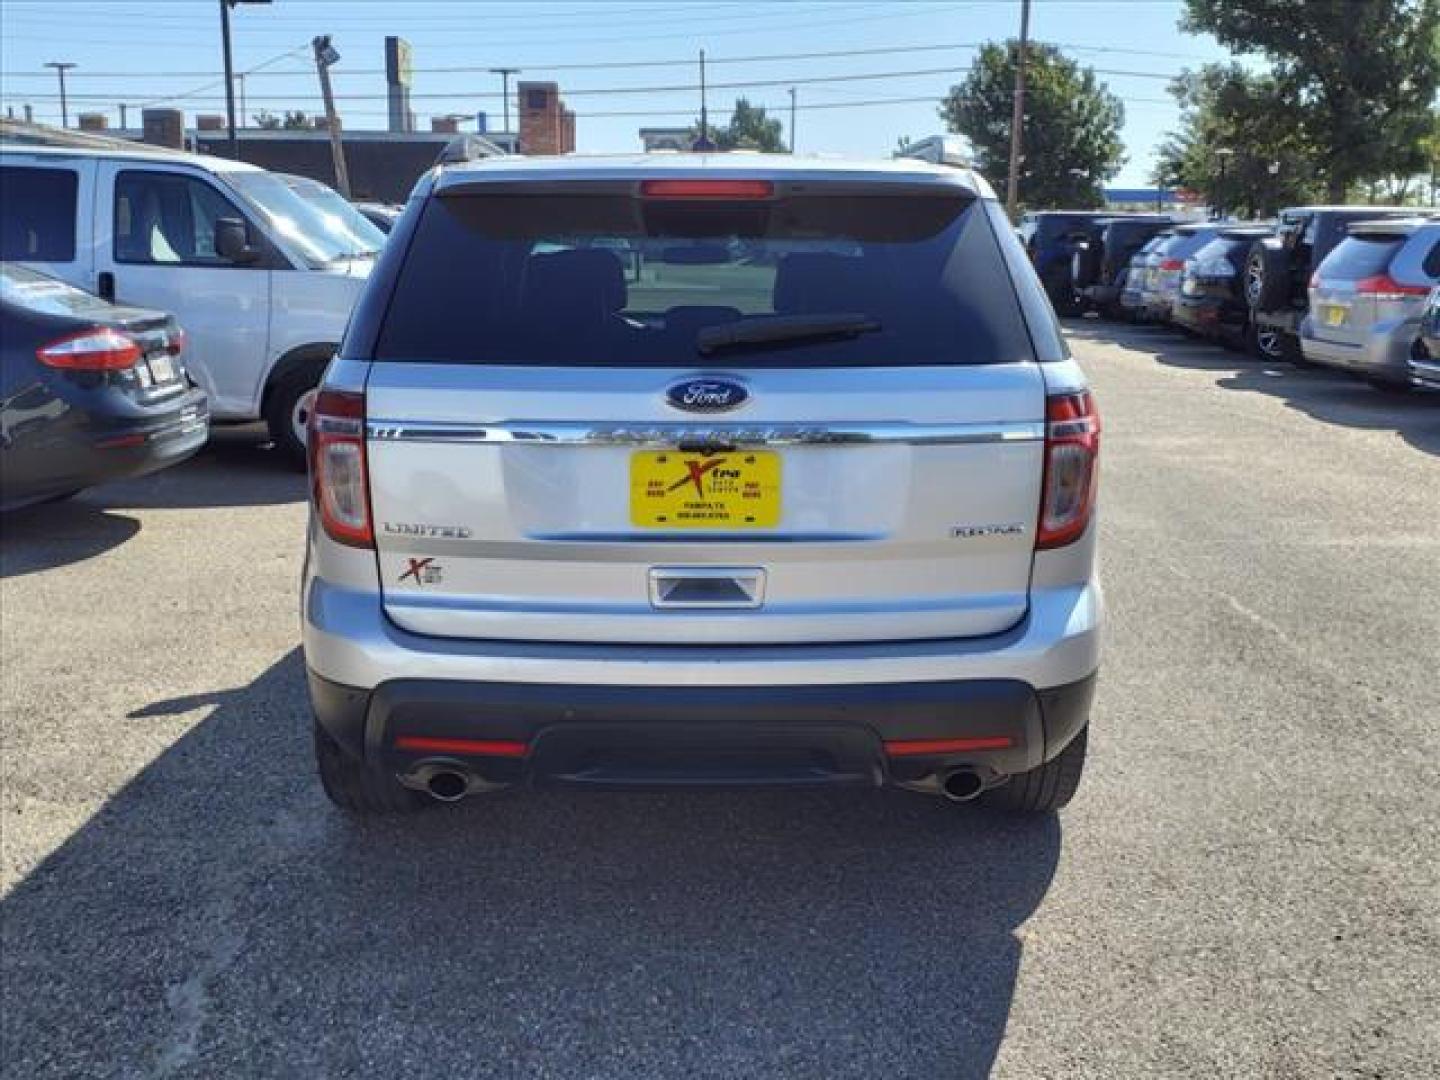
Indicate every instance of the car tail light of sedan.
{"type": "Point", "coordinates": [338, 472]}
{"type": "Point", "coordinates": [97, 349]}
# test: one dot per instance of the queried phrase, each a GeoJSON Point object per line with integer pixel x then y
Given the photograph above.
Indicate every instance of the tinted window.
{"type": "Point", "coordinates": [37, 222]}
{"type": "Point", "coordinates": [1358, 257]}
{"type": "Point", "coordinates": [1431, 265]}
{"type": "Point", "coordinates": [168, 218]}
{"type": "Point", "coordinates": [1183, 245]}
{"type": "Point", "coordinates": [611, 280]}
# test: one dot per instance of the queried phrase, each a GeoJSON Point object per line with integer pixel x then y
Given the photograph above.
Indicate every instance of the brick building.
{"type": "Point", "coordinates": [546, 125]}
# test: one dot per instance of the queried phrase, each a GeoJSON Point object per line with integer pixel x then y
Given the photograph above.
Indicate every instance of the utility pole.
{"type": "Point", "coordinates": [241, 80]}
{"type": "Point", "coordinates": [325, 55]}
{"type": "Point", "coordinates": [60, 68]}
{"type": "Point", "coordinates": [1017, 114]}
{"type": "Point", "coordinates": [505, 74]}
{"type": "Point", "coordinates": [704, 143]}
{"type": "Point", "coordinates": [229, 80]}
{"type": "Point", "coordinates": [225, 6]}
{"type": "Point", "coordinates": [792, 120]}
{"type": "Point", "coordinates": [123, 125]}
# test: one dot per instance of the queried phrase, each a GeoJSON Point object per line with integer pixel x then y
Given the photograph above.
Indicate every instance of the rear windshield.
{"type": "Point", "coordinates": [1358, 257]}
{"type": "Point", "coordinates": [1183, 245]}
{"type": "Point", "coordinates": [614, 280]}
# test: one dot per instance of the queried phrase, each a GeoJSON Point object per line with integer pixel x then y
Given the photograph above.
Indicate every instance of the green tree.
{"type": "Point", "coordinates": [749, 129]}
{"type": "Point", "coordinates": [293, 120]}
{"type": "Point", "coordinates": [1238, 143]}
{"type": "Point", "coordinates": [1362, 75]}
{"type": "Point", "coordinates": [1072, 125]}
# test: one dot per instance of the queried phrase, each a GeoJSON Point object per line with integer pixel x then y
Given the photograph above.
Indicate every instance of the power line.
{"type": "Point", "coordinates": [617, 65]}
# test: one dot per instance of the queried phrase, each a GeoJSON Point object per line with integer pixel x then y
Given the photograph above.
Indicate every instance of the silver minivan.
{"type": "Point", "coordinates": [702, 470]}
{"type": "Point", "coordinates": [1367, 296]}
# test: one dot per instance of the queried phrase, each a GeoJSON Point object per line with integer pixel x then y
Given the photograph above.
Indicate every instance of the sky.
{"type": "Point", "coordinates": [621, 64]}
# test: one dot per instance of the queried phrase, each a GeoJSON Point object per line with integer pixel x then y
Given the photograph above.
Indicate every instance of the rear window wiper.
{"type": "Point", "coordinates": [777, 329]}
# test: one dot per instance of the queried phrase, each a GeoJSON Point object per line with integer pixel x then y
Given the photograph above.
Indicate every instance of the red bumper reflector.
{"type": "Point", "coordinates": [916, 747]}
{"type": "Point", "coordinates": [487, 747]}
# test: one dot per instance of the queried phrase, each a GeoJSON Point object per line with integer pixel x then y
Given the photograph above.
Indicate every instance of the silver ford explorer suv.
{"type": "Point", "coordinates": [702, 470]}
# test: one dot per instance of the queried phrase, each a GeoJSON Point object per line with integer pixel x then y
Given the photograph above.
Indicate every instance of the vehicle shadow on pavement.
{"type": "Point", "coordinates": [58, 534]}
{"type": "Point", "coordinates": [218, 917]}
{"type": "Point", "coordinates": [1331, 396]}
{"type": "Point", "coordinates": [237, 467]}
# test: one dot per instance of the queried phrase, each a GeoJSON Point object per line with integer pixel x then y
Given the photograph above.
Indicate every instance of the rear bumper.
{"type": "Point", "coordinates": [1208, 315]}
{"type": "Point", "coordinates": [860, 735]}
{"type": "Point", "coordinates": [1101, 294]}
{"type": "Point", "coordinates": [668, 714]}
{"type": "Point", "coordinates": [1425, 373]}
{"type": "Point", "coordinates": [1383, 354]}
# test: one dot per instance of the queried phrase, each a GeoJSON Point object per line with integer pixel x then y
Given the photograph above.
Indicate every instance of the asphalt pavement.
{"type": "Point", "coordinates": [1247, 885]}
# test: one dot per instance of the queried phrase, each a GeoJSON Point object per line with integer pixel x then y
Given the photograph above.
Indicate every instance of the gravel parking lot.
{"type": "Point", "coordinates": [1247, 885]}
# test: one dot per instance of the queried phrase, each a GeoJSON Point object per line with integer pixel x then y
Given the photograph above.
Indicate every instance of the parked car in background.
{"type": "Point", "coordinates": [1279, 267]}
{"type": "Point", "coordinates": [253, 272]}
{"type": "Point", "coordinates": [1101, 260]}
{"type": "Point", "coordinates": [1367, 297]}
{"type": "Point", "coordinates": [382, 215]}
{"type": "Point", "coordinates": [1161, 287]}
{"type": "Point", "coordinates": [344, 221]}
{"type": "Point", "coordinates": [1425, 353]}
{"type": "Point", "coordinates": [1137, 275]}
{"type": "Point", "coordinates": [804, 496]}
{"type": "Point", "coordinates": [1049, 236]}
{"type": "Point", "coordinates": [89, 391]}
{"type": "Point", "coordinates": [1212, 303]}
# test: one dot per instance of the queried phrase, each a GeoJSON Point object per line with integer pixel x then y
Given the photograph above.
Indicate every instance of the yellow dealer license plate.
{"type": "Point", "coordinates": [1334, 315]}
{"type": "Point", "coordinates": [670, 489]}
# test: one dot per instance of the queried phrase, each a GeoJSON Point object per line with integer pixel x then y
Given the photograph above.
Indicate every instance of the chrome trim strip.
{"type": "Point", "coordinates": [585, 433]}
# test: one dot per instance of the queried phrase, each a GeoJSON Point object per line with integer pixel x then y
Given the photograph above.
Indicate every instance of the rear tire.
{"type": "Point", "coordinates": [1046, 789]}
{"type": "Point", "coordinates": [1274, 345]}
{"type": "Point", "coordinates": [358, 788]}
{"type": "Point", "coordinates": [287, 411]}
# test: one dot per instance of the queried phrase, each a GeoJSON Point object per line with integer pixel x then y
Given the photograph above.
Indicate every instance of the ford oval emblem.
{"type": "Point", "coordinates": [709, 395]}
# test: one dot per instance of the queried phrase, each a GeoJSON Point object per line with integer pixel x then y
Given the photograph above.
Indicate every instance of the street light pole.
{"type": "Point", "coordinates": [792, 120]}
{"type": "Point", "coordinates": [60, 68]}
{"type": "Point", "coordinates": [505, 74]}
{"type": "Point", "coordinates": [325, 55]}
{"type": "Point", "coordinates": [1224, 153]}
{"type": "Point", "coordinates": [1017, 113]}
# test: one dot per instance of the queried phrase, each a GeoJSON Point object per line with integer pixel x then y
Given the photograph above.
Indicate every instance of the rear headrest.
{"type": "Point", "coordinates": [806, 283]}
{"type": "Point", "coordinates": [584, 284]}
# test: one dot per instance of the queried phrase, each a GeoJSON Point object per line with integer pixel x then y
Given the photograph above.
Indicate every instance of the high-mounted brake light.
{"type": "Point", "coordinates": [1384, 287]}
{"type": "Point", "coordinates": [340, 487]}
{"type": "Point", "coordinates": [1172, 264]}
{"type": "Point", "coordinates": [1072, 451]}
{"type": "Point", "coordinates": [97, 349]}
{"type": "Point", "coordinates": [707, 189]}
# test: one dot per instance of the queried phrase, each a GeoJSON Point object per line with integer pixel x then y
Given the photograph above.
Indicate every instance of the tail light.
{"type": "Point", "coordinates": [1384, 287]}
{"type": "Point", "coordinates": [96, 349]}
{"type": "Point", "coordinates": [1072, 450]}
{"type": "Point", "coordinates": [1172, 264]}
{"type": "Point", "coordinates": [340, 485]}
{"type": "Point", "coordinates": [707, 189]}
{"type": "Point", "coordinates": [175, 342]}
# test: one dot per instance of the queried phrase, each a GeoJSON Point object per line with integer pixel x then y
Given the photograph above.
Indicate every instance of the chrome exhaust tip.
{"type": "Point", "coordinates": [447, 785]}
{"type": "Point", "coordinates": [961, 785]}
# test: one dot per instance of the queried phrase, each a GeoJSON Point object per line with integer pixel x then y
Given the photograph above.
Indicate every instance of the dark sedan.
{"type": "Point", "coordinates": [89, 391]}
{"type": "Point", "coordinates": [1212, 302]}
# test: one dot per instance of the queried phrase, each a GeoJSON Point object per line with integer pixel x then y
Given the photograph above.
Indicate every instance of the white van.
{"type": "Point", "coordinates": [261, 282]}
